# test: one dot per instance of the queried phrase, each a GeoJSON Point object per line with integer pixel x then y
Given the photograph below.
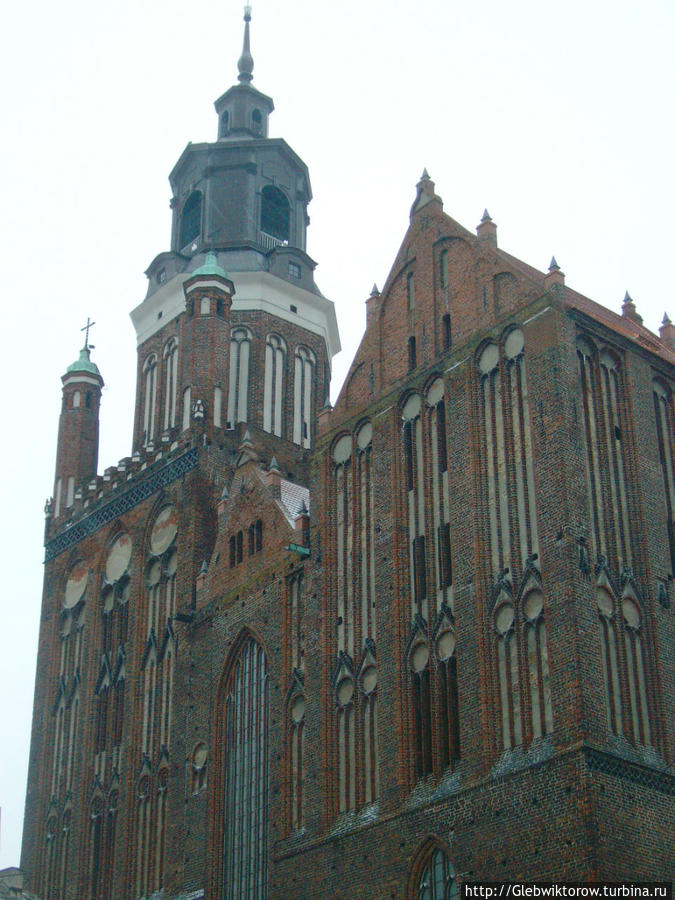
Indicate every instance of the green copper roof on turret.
{"type": "Point", "coordinates": [84, 363]}
{"type": "Point", "coordinates": [210, 267]}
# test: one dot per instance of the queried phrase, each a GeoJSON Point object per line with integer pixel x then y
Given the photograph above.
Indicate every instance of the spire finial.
{"type": "Point", "coordinates": [245, 64]}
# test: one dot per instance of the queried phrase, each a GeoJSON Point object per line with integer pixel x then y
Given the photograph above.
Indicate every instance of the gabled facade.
{"type": "Point", "coordinates": [375, 651]}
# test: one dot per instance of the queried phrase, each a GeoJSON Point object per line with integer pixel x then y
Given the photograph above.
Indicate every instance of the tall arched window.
{"type": "Point", "coordinates": [663, 410]}
{"type": "Point", "coordinates": [67, 693]}
{"type": "Point", "coordinates": [245, 824]}
{"type": "Point", "coordinates": [609, 659]}
{"type": "Point", "coordinates": [421, 698]}
{"type": "Point", "coordinates": [149, 398]}
{"type": "Point", "coordinates": [507, 667]}
{"type": "Point", "coordinates": [170, 382]}
{"type": "Point", "coordinates": [437, 881]}
{"type": "Point", "coordinates": [635, 668]}
{"type": "Point", "coordinates": [237, 402]}
{"type": "Point", "coordinates": [191, 219]}
{"type": "Point", "coordinates": [156, 689]}
{"type": "Point", "coordinates": [275, 214]}
{"type": "Point", "coordinates": [305, 362]}
{"type": "Point", "coordinates": [275, 354]}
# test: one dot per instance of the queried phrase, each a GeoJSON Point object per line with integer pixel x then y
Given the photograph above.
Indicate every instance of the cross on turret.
{"type": "Point", "coordinates": [86, 328]}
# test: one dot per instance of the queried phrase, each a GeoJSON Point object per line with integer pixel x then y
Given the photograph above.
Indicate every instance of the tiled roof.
{"type": "Point", "coordinates": [292, 496]}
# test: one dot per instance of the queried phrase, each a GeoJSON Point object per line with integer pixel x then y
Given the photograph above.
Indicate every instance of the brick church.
{"type": "Point", "coordinates": [371, 651]}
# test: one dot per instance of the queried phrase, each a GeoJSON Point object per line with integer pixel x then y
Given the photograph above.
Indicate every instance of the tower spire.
{"type": "Point", "coordinates": [245, 64]}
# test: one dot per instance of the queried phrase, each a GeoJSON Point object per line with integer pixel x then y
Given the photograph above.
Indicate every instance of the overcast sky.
{"type": "Point", "coordinates": [556, 117]}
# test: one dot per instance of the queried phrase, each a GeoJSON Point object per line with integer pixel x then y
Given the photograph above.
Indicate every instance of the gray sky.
{"type": "Point", "coordinates": [556, 117]}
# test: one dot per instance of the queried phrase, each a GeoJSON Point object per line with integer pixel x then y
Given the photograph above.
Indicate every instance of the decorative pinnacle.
{"type": "Point", "coordinates": [375, 290]}
{"type": "Point", "coordinates": [666, 319]}
{"type": "Point", "coordinates": [425, 175]}
{"type": "Point", "coordinates": [245, 64]}
{"type": "Point", "coordinates": [486, 216]}
{"type": "Point", "coordinates": [553, 265]}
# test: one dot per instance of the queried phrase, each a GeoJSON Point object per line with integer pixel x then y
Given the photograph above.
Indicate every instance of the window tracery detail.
{"type": "Point", "coordinates": [245, 824]}
{"type": "Point", "coordinates": [438, 879]}
{"type": "Point", "coordinates": [517, 618]}
{"type": "Point", "coordinates": [353, 704]}
{"type": "Point", "coordinates": [170, 382]}
{"type": "Point", "coordinates": [274, 396]}
{"type": "Point", "coordinates": [149, 397]}
{"type": "Point", "coordinates": [305, 363]}
{"type": "Point", "coordinates": [156, 701]}
{"type": "Point", "coordinates": [240, 351]}
{"type": "Point", "coordinates": [665, 428]}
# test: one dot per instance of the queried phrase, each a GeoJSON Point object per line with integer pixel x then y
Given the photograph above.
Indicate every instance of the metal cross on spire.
{"type": "Point", "coordinates": [86, 328]}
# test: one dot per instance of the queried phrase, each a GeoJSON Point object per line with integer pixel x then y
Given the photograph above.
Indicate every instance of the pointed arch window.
{"type": "Point", "coordinates": [438, 880]}
{"type": "Point", "coordinates": [191, 219]}
{"type": "Point", "coordinates": [346, 733]}
{"type": "Point", "coordinates": [305, 363]}
{"type": "Point", "coordinates": [421, 704]}
{"type": "Point", "coordinates": [67, 699]}
{"type": "Point", "coordinates": [275, 214]}
{"type": "Point", "coordinates": [296, 726]}
{"type": "Point", "coordinates": [665, 426]}
{"type": "Point", "coordinates": [240, 351]}
{"type": "Point", "coordinates": [275, 356]}
{"type": "Point", "coordinates": [448, 697]}
{"type": "Point", "coordinates": [636, 669]}
{"type": "Point", "coordinates": [539, 681]}
{"type": "Point", "coordinates": [609, 658]}
{"type": "Point", "coordinates": [246, 757]}
{"type": "Point", "coordinates": [170, 382]}
{"type": "Point", "coordinates": [149, 398]}
{"type": "Point", "coordinates": [507, 667]}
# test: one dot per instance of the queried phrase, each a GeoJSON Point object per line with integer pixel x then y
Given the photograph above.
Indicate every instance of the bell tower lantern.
{"type": "Point", "coordinates": [242, 110]}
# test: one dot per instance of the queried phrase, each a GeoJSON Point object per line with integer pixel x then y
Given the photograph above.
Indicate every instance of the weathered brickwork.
{"type": "Point", "coordinates": [430, 633]}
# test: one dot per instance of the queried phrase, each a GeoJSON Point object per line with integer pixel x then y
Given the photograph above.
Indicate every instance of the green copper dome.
{"type": "Point", "coordinates": [84, 364]}
{"type": "Point", "coordinates": [210, 267]}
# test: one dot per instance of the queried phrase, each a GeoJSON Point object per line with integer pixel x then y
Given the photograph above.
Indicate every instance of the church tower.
{"type": "Point", "coordinates": [77, 446]}
{"type": "Point", "coordinates": [239, 207]}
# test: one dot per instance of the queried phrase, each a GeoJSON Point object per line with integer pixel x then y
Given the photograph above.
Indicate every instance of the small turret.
{"type": "Point", "coordinates": [77, 448]}
{"type": "Point", "coordinates": [205, 337]}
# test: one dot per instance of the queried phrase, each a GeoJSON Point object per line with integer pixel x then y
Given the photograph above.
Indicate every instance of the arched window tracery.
{"type": "Point", "coordinates": [517, 619]}
{"type": "Point", "coordinates": [170, 382]}
{"type": "Point", "coordinates": [243, 816]}
{"type": "Point", "coordinates": [353, 700]}
{"type": "Point", "coordinates": [240, 350]}
{"type": "Point", "coordinates": [149, 396]}
{"type": "Point", "coordinates": [156, 700]}
{"type": "Point", "coordinates": [609, 658]}
{"type": "Point", "coordinates": [273, 405]}
{"type": "Point", "coordinates": [438, 879]}
{"type": "Point", "coordinates": [636, 669]}
{"type": "Point", "coordinates": [665, 428]}
{"type": "Point", "coordinates": [305, 363]}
